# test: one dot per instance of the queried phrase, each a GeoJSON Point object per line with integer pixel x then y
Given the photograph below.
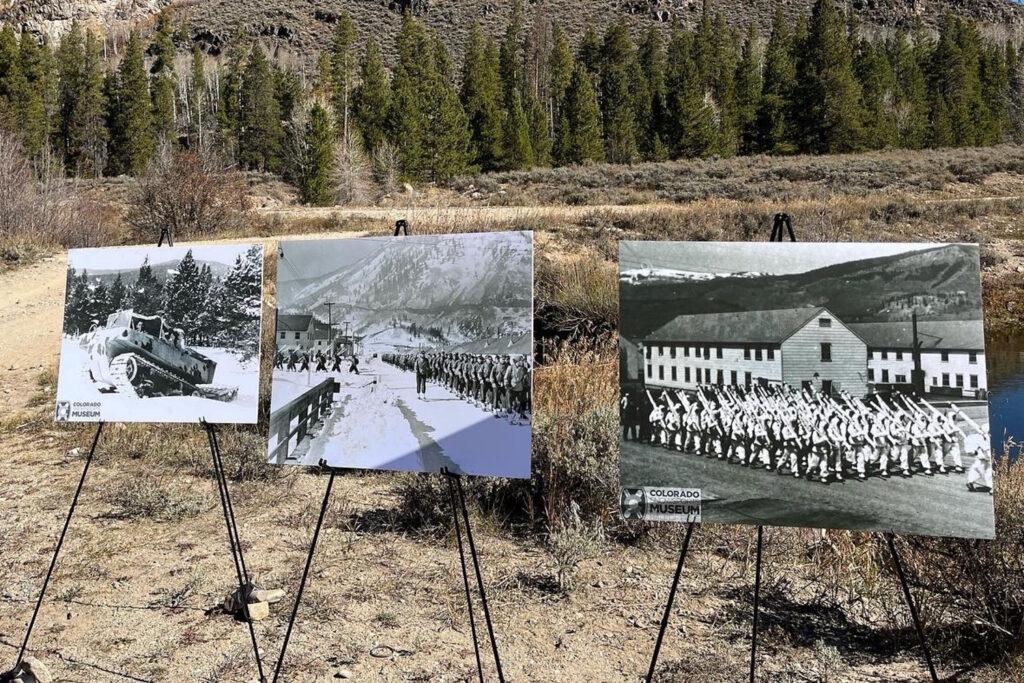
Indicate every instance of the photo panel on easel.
{"type": "Point", "coordinates": [808, 384]}
{"type": "Point", "coordinates": [405, 353]}
{"type": "Point", "coordinates": [168, 334]}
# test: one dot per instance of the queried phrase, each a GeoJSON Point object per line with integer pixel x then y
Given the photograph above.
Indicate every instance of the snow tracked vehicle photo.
{"type": "Point", "coordinates": [139, 354]}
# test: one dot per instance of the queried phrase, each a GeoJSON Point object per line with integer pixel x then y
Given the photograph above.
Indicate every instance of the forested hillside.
{"type": "Point", "coordinates": [820, 83]}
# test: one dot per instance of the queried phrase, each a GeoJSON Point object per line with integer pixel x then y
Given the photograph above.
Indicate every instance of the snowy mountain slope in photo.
{"type": "Point", "coordinates": [384, 425]}
{"type": "Point", "coordinates": [74, 385]}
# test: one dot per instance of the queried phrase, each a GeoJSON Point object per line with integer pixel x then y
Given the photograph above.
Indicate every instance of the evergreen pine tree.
{"type": "Point", "coordinates": [827, 95]}
{"type": "Point", "coordinates": [164, 79]}
{"type": "Point", "coordinates": [773, 129]}
{"type": "Point", "coordinates": [649, 97]}
{"type": "Point", "coordinates": [76, 308]}
{"type": "Point", "coordinates": [995, 91]}
{"type": "Point", "coordinates": [344, 64]}
{"type": "Point", "coordinates": [449, 141]}
{"type": "Point", "coordinates": [131, 136]}
{"type": "Point", "coordinates": [616, 78]}
{"type": "Point", "coordinates": [911, 95]}
{"type": "Point", "coordinates": [410, 91]}
{"type": "Point", "coordinates": [588, 54]}
{"type": "Point", "coordinates": [580, 138]}
{"type": "Point", "coordinates": [482, 98]}
{"type": "Point", "coordinates": [560, 66]}
{"type": "Point", "coordinates": [518, 151]}
{"type": "Point", "coordinates": [1015, 68]}
{"type": "Point", "coordinates": [184, 297]}
{"type": "Point", "coordinates": [29, 86]}
{"type": "Point", "coordinates": [311, 156]}
{"type": "Point", "coordinates": [540, 130]}
{"type": "Point", "coordinates": [99, 304]}
{"type": "Point", "coordinates": [287, 90]}
{"type": "Point", "coordinates": [10, 73]}
{"type": "Point", "coordinates": [230, 98]}
{"type": "Point", "coordinates": [118, 295]}
{"type": "Point", "coordinates": [878, 87]}
{"type": "Point", "coordinates": [726, 60]}
{"type": "Point", "coordinates": [260, 133]}
{"type": "Point", "coordinates": [748, 93]}
{"type": "Point", "coordinates": [240, 298]}
{"type": "Point", "coordinates": [70, 64]}
{"type": "Point", "coordinates": [373, 98]}
{"type": "Point", "coordinates": [691, 130]}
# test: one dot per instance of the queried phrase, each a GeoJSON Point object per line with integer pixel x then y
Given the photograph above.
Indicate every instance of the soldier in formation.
{"type": "Point", "coordinates": [497, 383]}
{"type": "Point", "coordinates": [295, 359]}
{"type": "Point", "coordinates": [809, 434]}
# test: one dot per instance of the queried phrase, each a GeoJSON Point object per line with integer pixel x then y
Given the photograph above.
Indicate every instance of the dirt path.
{"type": "Point", "coordinates": [31, 305]}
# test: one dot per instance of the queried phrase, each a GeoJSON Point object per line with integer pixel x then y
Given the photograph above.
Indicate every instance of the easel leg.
{"type": "Point", "coordinates": [235, 543]}
{"type": "Point", "coordinates": [56, 551]}
{"type": "Point", "coordinates": [668, 605]}
{"type": "Point", "coordinates": [757, 603]}
{"type": "Point", "coordinates": [465, 574]}
{"type": "Point", "coordinates": [479, 580]}
{"type": "Point", "coordinates": [305, 576]}
{"type": "Point", "coordinates": [910, 603]}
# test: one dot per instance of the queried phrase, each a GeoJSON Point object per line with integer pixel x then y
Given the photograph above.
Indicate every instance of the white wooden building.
{"type": "Point", "coordinates": [811, 347]}
{"type": "Point", "coordinates": [302, 331]}
{"type": "Point", "coordinates": [952, 355]}
{"type": "Point", "coordinates": [798, 346]}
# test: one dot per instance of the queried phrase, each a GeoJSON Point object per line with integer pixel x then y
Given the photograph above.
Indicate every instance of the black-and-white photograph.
{"type": "Point", "coordinates": [167, 334]}
{"type": "Point", "coordinates": [816, 385]}
{"type": "Point", "coordinates": [405, 353]}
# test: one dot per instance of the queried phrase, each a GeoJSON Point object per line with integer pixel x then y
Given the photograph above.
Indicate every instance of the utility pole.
{"type": "Point", "coordinates": [330, 322]}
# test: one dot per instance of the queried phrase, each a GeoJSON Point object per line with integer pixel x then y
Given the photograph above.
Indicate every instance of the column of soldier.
{"type": "Point", "coordinates": [498, 383]}
{"type": "Point", "coordinates": [811, 435]}
{"type": "Point", "coordinates": [318, 360]}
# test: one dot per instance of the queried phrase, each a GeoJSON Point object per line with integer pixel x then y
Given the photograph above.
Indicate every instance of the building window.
{"type": "Point", "coordinates": [672, 352]}
{"type": "Point", "coordinates": [945, 379]}
{"type": "Point", "coordinates": [297, 335]}
{"type": "Point", "coordinates": [648, 350]}
{"type": "Point", "coordinates": [718, 352]}
{"type": "Point", "coordinates": [733, 382]}
{"type": "Point", "coordinates": [771, 353]}
{"type": "Point", "coordinates": [935, 381]}
{"type": "Point", "coordinates": [871, 374]}
{"type": "Point", "coordinates": [746, 353]}
{"type": "Point", "coordinates": [972, 358]}
{"type": "Point", "coordinates": [974, 381]}
{"type": "Point", "coordinates": [899, 355]}
{"type": "Point", "coordinates": [650, 372]}
{"type": "Point", "coordinates": [673, 373]}
{"type": "Point", "coordinates": [707, 353]}
{"type": "Point", "coordinates": [885, 376]}
{"type": "Point", "coordinates": [661, 350]}
{"type": "Point", "coordinates": [885, 355]}
{"type": "Point", "coordinates": [871, 355]}
{"type": "Point", "coordinates": [719, 378]}
{"type": "Point", "coordinates": [960, 381]}
{"type": "Point", "coordinates": [661, 372]}
{"type": "Point", "coordinates": [686, 374]}
{"type": "Point", "coordinates": [747, 378]}
{"type": "Point", "coordinates": [826, 352]}
{"type": "Point", "coordinates": [901, 379]}
{"type": "Point", "coordinates": [758, 354]}
{"type": "Point", "coordinates": [824, 322]}
{"type": "Point", "coordinates": [686, 352]}
{"type": "Point", "coordinates": [284, 335]}
{"type": "Point", "coordinates": [945, 356]}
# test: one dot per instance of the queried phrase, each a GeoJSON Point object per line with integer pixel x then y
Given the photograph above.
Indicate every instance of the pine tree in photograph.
{"type": "Point", "coordinates": [828, 96]}
{"type": "Point", "coordinates": [239, 300]}
{"type": "Point", "coordinates": [482, 98]}
{"type": "Point", "coordinates": [580, 138]}
{"type": "Point", "coordinates": [76, 308]}
{"type": "Point", "coordinates": [260, 134]}
{"type": "Point", "coordinates": [344, 64]}
{"type": "Point", "coordinates": [131, 121]}
{"type": "Point", "coordinates": [146, 295]}
{"type": "Point", "coordinates": [118, 295]}
{"type": "Point", "coordinates": [618, 61]}
{"type": "Point", "coordinates": [98, 305]}
{"type": "Point", "coordinates": [372, 98]}
{"type": "Point", "coordinates": [184, 297]}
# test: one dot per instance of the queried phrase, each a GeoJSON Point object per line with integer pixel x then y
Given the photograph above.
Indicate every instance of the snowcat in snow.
{"type": "Point", "coordinates": [141, 355]}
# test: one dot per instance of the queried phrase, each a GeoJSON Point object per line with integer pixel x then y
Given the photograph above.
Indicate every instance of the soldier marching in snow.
{"type": "Point", "coordinates": [809, 434]}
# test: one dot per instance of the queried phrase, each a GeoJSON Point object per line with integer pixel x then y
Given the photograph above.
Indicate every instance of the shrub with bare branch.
{"type": "Point", "coordinates": [189, 192]}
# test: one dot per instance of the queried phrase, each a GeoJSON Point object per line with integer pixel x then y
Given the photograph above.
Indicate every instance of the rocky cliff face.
{"type": "Point", "coordinates": [298, 28]}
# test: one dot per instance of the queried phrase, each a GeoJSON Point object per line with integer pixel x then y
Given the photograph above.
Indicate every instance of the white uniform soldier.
{"type": "Point", "coordinates": [953, 444]}
{"type": "Point", "coordinates": [883, 444]}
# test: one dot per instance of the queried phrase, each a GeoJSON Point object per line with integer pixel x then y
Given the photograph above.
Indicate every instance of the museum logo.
{"type": "Point", "coordinates": [661, 504]}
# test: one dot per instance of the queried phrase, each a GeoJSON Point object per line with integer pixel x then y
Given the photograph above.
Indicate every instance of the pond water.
{"type": "Point", "coordinates": [1005, 357]}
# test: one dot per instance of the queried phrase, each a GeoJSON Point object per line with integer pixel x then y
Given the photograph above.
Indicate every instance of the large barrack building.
{"type": "Point", "coordinates": [811, 347]}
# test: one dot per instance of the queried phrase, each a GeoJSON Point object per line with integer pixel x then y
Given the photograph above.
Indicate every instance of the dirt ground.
{"type": "Point", "coordinates": [136, 599]}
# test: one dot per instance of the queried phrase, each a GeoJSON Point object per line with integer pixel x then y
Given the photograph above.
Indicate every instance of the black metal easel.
{"type": "Point", "coordinates": [245, 585]}
{"type": "Point", "coordinates": [458, 501]}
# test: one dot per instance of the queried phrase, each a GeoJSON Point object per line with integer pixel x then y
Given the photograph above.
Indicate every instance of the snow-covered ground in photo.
{"type": "Point", "coordinates": [379, 423]}
{"type": "Point", "coordinates": [74, 385]}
